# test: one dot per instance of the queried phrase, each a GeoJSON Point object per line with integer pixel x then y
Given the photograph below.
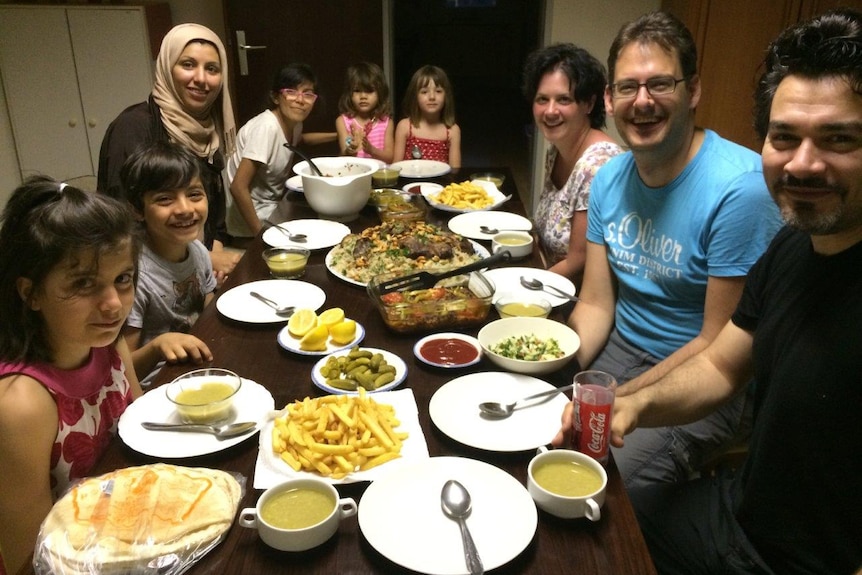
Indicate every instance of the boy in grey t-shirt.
{"type": "Point", "coordinates": [175, 275]}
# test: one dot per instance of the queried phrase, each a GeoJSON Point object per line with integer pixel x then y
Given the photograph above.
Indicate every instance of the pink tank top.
{"type": "Point", "coordinates": [427, 149]}
{"type": "Point", "coordinates": [375, 132]}
{"type": "Point", "coordinates": [89, 400]}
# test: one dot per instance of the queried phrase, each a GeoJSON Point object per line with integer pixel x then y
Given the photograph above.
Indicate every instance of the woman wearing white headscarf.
{"type": "Point", "coordinates": [189, 105]}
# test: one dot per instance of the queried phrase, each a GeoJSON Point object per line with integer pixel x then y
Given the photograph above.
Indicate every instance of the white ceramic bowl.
{"type": "Point", "coordinates": [344, 188]}
{"type": "Point", "coordinates": [543, 328]}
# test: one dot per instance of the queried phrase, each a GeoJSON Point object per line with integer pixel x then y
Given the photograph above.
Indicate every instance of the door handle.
{"type": "Point", "coordinates": [242, 53]}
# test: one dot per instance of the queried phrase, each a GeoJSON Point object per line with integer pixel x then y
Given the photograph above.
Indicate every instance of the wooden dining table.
{"type": "Point", "coordinates": [613, 545]}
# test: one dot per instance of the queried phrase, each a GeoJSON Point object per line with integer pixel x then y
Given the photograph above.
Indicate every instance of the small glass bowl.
{"type": "Point", "coordinates": [386, 177]}
{"type": "Point", "coordinates": [204, 395]}
{"type": "Point", "coordinates": [409, 209]}
{"type": "Point", "coordinates": [523, 305]}
{"type": "Point", "coordinates": [495, 178]}
{"type": "Point", "coordinates": [286, 262]}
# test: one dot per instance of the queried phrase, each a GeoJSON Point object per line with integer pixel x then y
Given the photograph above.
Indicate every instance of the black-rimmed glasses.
{"type": "Point", "coordinates": [659, 86]}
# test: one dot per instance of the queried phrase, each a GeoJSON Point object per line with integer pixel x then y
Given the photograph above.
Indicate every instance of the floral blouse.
{"type": "Point", "coordinates": [556, 207]}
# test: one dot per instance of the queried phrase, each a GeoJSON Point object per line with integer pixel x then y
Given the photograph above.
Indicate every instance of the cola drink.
{"type": "Point", "coordinates": [593, 408]}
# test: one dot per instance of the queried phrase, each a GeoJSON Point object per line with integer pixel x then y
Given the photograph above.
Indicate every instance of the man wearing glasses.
{"type": "Point", "coordinates": [673, 226]}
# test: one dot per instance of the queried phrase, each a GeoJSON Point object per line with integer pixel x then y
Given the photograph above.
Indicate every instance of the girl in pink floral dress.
{"type": "Point", "coordinates": [67, 270]}
{"type": "Point", "coordinates": [429, 131]}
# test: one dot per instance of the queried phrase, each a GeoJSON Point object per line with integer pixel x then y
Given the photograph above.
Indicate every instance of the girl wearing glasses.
{"type": "Point", "coordinates": [260, 165]}
{"type": "Point", "coordinates": [364, 127]}
{"type": "Point", "coordinates": [190, 106]}
{"type": "Point", "coordinates": [429, 131]}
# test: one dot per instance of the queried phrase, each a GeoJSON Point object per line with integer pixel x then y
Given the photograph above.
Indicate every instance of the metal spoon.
{"type": "Point", "coordinates": [282, 310]}
{"type": "Point", "coordinates": [492, 231]}
{"type": "Point", "coordinates": [499, 410]}
{"type": "Point", "coordinates": [299, 238]}
{"type": "Point", "coordinates": [415, 152]}
{"type": "Point", "coordinates": [536, 285]}
{"type": "Point", "coordinates": [296, 151]}
{"type": "Point", "coordinates": [456, 504]}
{"type": "Point", "coordinates": [220, 431]}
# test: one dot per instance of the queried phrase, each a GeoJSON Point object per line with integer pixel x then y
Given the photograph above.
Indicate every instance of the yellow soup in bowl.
{"type": "Point", "coordinates": [567, 478]}
{"type": "Point", "coordinates": [297, 508]}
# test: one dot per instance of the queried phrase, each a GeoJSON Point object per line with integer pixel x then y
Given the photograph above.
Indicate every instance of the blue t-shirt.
{"type": "Point", "coordinates": [714, 219]}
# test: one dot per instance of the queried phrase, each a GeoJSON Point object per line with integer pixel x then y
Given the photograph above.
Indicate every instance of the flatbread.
{"type": "Point", "coordinates": [137, 516]}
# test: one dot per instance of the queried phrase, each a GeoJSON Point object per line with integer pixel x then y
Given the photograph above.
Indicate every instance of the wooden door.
{"type": "Point", "coordinates": [328, 35]}
{"type": "Point", "coordinates": [44, 107]}
{"type": "Point", "coordinates": [732, 36]}
{"type": "Point", "coordinates": [112, 56]}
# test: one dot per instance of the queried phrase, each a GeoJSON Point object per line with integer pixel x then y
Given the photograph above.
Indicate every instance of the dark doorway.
{"type": "Point", "coordinates": [482, 48]}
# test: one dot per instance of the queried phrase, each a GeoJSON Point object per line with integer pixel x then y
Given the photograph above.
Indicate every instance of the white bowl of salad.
{"type": "Point", "coordinates": [529, 345]}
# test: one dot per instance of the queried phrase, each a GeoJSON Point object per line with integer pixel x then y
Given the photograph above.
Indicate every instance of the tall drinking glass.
{"type": "Point", "coordinates": [593, 407]}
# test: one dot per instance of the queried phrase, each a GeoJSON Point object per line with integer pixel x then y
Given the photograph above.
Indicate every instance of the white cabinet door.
{"type": "Point", "coordinates": [114, 66]}
{"type": "Point", "coordinates": [41, 85]}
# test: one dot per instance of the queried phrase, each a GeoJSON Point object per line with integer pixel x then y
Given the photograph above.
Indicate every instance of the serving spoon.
{"type": "Point", "coordinates": [299, 238]}
{"type": "Point", "coordinates": [456, 503]}
{"type": "Point", "coordinates": [536, 285]}
{"type": "Point", "coordinates": [220, 431]}
{"type": "Point", "coordinates": [492, 231]}
{"type": "Point", "coordinates": [499, 410]}
{"type": "Point", "coordinates": [296, 151]}
{"type": "Point", "coordinates": [282, 310]}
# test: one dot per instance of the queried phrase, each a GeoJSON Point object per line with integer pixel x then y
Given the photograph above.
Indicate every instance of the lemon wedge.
{"type": "Point", "coordinates": [331, 317]}
{"type": "Point", "coordinates": [343, 332]}
{"type": "Point", "coordinates": [301, 322]}
{"type": "Point", "coordinates": [315, 340]}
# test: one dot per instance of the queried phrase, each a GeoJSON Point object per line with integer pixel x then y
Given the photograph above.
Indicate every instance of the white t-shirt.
{"type": "Point", "coordinates": [261, 140]}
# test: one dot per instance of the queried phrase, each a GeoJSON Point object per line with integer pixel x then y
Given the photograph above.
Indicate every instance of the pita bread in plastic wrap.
{"type": "Point", "coordinates": [156, 518]}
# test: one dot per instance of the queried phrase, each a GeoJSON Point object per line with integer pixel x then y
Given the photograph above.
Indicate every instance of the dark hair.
{"type": "Point", "coordinates": [291, 76]}
{"type": "Point", "coordinates": [828, 45]}
{"type": "Point", "coordinates": [421, 78]}
{"type": "Point", "coordinates": [365, 77]}
{"type": "Point", "coordinates": [585, 73]}
{"type": "Point", "coordinates": [44, 223]}
{"type": "Point", "coordinates": [157, 167]}
{"type": "Point", "coordinates": [663, 29]}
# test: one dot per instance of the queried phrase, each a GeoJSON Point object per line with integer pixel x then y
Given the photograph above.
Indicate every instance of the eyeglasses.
{"type": "Point", "coordinates": [291, 94]}
{"type": "Point", "coordinates": [660, 86]}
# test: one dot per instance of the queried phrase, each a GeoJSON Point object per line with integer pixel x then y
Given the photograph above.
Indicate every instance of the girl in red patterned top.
{"type": "Point", "coordinates": [67, 271]}
{"type": "Point", "coordinates": [429, 131]}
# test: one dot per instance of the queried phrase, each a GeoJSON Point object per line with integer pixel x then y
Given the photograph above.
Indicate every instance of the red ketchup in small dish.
{"type": "Point", "coordinates": [449, 351]}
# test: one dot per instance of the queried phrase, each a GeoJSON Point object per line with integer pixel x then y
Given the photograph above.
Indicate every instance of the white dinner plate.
{"type": "Point", "coordinates": [508, 281]}
{"type": "Point", "coordinates": [448, 335]}
{"type": "Point", "coordinates": [238, 304]}
{"type": "Point", "coordinates": [454, 409]}
{"type": "Point", "coordinates": [400, 516]}
{"type": "Point", "coordinates": [481, 251]}
{"type": "Point", "coordinates": [252, 403]}
{"type": "Point", "coordinates": [294, 184]}
{"type": "Point", "coordinates": [391, 359]}
{"type": "Point", "coordinates": [467, 224]}
{"type": "Point", "coordinates": [319, 234]}
{"type": "Point", "coordinates": [422, 168]}
{"type": "Point", "coordinates": [271, 470]}
{"type": "Point", "coordinates": [422, 188]}
{"type": "Point", "coordinates": [291, 343]}
{"type": "Point", "coordinates": [495, 194]}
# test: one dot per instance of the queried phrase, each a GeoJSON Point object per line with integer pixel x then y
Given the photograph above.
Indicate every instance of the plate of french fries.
{"type": "Point", "coordinates": [466, 196]}
{"type": "Point", "coordinates": [340, 438]}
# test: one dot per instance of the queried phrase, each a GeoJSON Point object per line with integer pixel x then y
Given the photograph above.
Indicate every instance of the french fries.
{"type": "Point", "coordinates": [464, 195]}
{"type": "Point", "coordinates": [336, 435]}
